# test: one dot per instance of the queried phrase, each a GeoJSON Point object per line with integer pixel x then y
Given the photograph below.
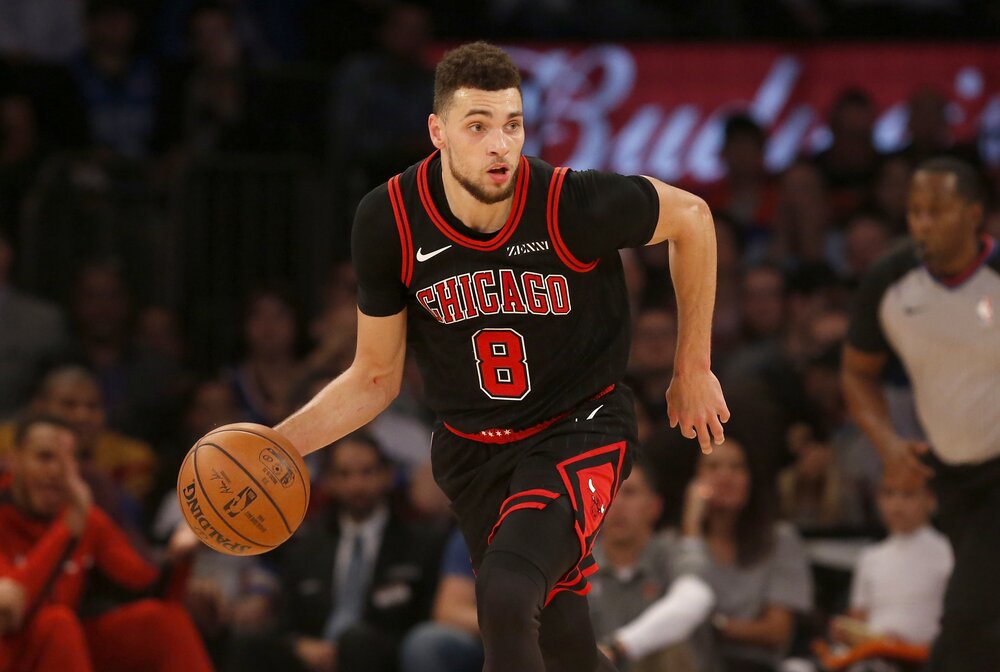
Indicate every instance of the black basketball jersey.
{"type": "Point", "coordinates": [517, 326]}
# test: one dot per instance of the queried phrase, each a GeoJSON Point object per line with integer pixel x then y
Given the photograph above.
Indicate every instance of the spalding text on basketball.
{"type": "Point", "coordinates": [206, 526]}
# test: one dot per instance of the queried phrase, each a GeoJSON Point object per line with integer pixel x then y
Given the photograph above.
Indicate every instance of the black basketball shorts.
{"type": "Point", "coordinates": [582, 458]}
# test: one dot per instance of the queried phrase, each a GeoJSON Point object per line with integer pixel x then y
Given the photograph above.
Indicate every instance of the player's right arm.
{"type": "Point", "coordinates": [359, 394]}
{"type": "Point", "coordinates": [373, 380]}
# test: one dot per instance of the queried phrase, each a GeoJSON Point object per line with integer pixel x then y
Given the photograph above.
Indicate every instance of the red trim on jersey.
{"type": "Point", "coordinates": [953, 281]}
{"type": "Point", "coordinates": [533, 499]}
{"type": "Point", "coordinates": [552, 217]}
{"type": "Point", "coordinates": [516, 209]}
{"type": "Point", "coordinates": [403, 227]}
{"type": "Point", "coordinates": [539, 492]}
{"type": "Point", "coordinates": [497, 435]}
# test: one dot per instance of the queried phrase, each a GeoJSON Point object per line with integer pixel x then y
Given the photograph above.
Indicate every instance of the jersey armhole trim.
{"type": "Point", "coordinates": [403, 227]}
{"type": "Point", "coordinates": [552, 219]}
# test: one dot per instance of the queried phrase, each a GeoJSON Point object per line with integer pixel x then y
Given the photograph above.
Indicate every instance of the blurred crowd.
{"type": "Point", "coordinates": [124, 330]}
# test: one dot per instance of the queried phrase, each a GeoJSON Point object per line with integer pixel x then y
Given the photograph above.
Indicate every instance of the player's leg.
{"type": "Point", "coordinates": [150, 635]}
{"type": "Point", "coordinates": [531, 551]}
{"type": "Point", "coordinates": [566, 636]}
{"type": "Point", "coordinates": [52, 641]}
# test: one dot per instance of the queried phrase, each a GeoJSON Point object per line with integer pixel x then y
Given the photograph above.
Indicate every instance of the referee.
{"type": "Point", "coordinates": [934, 304]}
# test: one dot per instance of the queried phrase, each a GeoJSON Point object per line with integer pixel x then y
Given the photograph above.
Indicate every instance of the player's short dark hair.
{"type": "Point", "coordinates": [742, 124]}
{"type": "Point", "coordinates": [26, 423]}
{"type": "Point", "coordinates": [477, 65]}
{"type": "Point", "coordinates": [967, 182]}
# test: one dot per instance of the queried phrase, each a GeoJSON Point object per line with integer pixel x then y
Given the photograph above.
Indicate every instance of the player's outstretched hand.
{"type": "Point", "coordinates": [696, 405]}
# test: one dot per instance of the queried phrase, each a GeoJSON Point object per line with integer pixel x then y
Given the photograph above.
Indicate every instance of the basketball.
{"type": "Point", "coordinates": [243, 488]}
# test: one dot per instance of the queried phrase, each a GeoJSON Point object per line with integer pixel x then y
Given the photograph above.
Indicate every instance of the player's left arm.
{"type": "Point", "coordinates": [694, 399]}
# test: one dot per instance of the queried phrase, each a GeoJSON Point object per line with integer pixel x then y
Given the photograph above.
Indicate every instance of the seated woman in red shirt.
{"type": "Point", "coordinates": [52, 540]}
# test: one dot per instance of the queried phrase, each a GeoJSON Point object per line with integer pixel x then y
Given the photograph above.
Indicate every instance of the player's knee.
{"type": "Point", "coordinates": [510, 593]}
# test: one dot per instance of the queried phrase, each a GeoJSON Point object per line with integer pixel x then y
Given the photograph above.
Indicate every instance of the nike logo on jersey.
{"type": "Point", "coordinates": [430, 255]}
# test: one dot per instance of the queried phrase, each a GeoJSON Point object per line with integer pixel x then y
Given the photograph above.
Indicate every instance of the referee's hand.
{"type": "Point", "coordinates": [899, 454]}
{"type": "Point", "coordinates": [695, 404]}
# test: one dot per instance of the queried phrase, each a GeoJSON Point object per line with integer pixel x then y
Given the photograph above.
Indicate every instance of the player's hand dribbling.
{"type": "Point", "coordinates": [695, 403]}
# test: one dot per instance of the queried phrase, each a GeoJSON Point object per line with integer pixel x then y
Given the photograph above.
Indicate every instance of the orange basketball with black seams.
{"type": "Point", "coordinates": [243, 488]}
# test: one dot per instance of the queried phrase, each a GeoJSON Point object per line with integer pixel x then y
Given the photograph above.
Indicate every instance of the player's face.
{"type": "Point", "coordinates": [941, 221]}
{"type": "Point", "coordinates": [726, 471]}
{"type": "Point", "coordinates": [481, 135]}
{"type": "Point", "coordinates": [39, 468]}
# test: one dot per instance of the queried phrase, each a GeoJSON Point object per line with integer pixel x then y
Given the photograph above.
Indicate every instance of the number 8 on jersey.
{"type": "Point", "coordinates": [501, 363]}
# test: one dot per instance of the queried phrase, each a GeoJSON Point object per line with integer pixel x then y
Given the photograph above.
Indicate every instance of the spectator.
{"type": "Point", "coordinates": [47, 30]}
{"type": "Point", "coordinates": [888, 195]}
{"type": "Point", "coordinates": [226, 595]}
{"type": "Point", "coordinates": [747, 193]}
{"type": "Point", "coordinates": [119, 87]}
{"type": "Point", "coordinates": [866, 238]}
{"type": "Point", "coordinates": [33, 337]}
{"type": "Point", "coordinates": [205, 106]}
{"type": "Point", "coordinates": [651, 360]}
{"type": "Point", "coordinates": [380, 102]}
{"type": "Point", "coordinates": [267, 377]}
{"type": "Point", "coordinates": [648, 595]}
{"type": "Point", "coordinates": [758, 568]}
{"type": "Point", "coordinates": [726, 322]}
{"type": "Point", "coordinates": [140, 387]}
{"type": "Point", "coordinates": [336, 30]}
{"type": "Point", "coordinates": [22, 151]}
{"type": "Point", "coordinates": [850, 163]}
{"type": "Point", "coordinates": [898, 590]}
{"type": "Point", "coordinates": [450, 642]}
{"type": "Point", "coordinates": [71, 393]}
{"type": "Point", "coordinates": [271, 30]}
{"type": "Point", "coordinates": [54, 542]}
{"type": "Point", "coordinates": [334, 329]}
{"type": "Point", "coordinates": [927, 125]}
{"type": "Point", "coordinates": [353, 582]}
{"type": "Point", "coordinates": [762, 302]}
{"type": "Point", "coordinates": [815, 492]}
{"type": "Point", "coordinates": [211, 403]}
{"type": "Point", "coordinates": [804, 216]}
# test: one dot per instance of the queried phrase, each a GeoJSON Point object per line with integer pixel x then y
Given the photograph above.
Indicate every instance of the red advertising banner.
{"type": "Point", "coordinates": [659, 110]}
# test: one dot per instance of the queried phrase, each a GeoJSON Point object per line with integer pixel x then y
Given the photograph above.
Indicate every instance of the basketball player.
{"type": "Point", "coordinates": [932, 304]}
{"type": "Point", "coordinates": [503, 274]}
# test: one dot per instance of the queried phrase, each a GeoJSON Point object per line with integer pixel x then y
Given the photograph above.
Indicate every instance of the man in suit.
{"type": "Point", "coordinates": [33, 337]}
{"type": "Point", "coordinates": [354, 580]}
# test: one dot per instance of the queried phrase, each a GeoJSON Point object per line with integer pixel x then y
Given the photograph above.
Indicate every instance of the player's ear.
{"type": "Point", "coordinates": [435, 126]}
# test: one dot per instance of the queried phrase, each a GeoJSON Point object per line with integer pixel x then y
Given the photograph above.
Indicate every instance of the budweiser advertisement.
{"type": "Point", "coordinates": [659, 110]}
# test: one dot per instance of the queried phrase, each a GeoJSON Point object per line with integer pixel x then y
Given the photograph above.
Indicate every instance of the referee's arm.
{"type": "Point", "coordinates": [861, 381]}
